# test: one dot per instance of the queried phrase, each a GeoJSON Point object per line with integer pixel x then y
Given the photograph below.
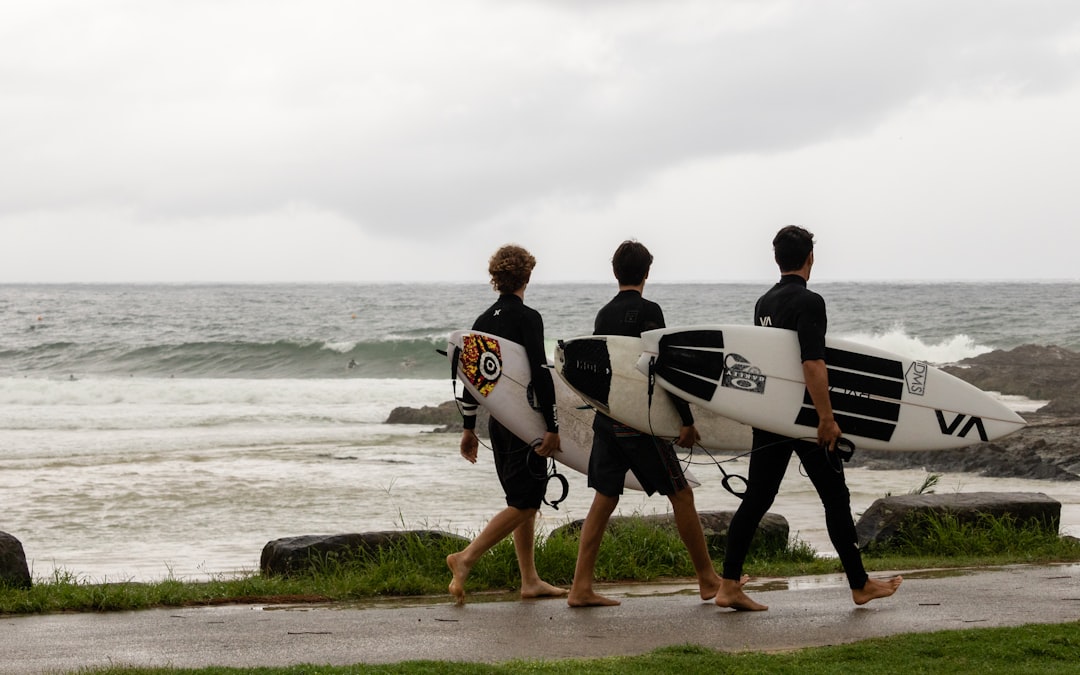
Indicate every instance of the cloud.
{"type": "Point", "coordinates": [438, 120]}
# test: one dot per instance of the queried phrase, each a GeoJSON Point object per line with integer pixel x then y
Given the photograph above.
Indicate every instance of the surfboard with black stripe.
{"type": "Point", "coordinates": [881, 400]}
{"type": "Point", "coordinates": [602, 369]}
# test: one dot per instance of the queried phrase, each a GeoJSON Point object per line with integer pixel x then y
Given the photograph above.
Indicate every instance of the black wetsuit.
{"type": "Point", "coordinates": [790, 304]}
{"type": "Point", "coordinates": [616, 447]}
{"type": "Point", "coordinates": [522, 472]}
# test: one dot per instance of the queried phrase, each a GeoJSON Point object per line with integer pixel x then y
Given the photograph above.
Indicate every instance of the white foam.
{"type": "Point", "coordinates": [897, 340]}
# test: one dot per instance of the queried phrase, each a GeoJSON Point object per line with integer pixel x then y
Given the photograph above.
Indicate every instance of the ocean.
{"type": "Point", "coordinates": [153, 431]}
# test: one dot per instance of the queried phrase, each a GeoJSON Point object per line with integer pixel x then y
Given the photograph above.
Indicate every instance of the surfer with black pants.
{"type": "Point", "coordinates": [522, 468]}
{"type": "Point", "coordinates": [618, 448]}
{"type": "Point", "coordinates": [790, 304]}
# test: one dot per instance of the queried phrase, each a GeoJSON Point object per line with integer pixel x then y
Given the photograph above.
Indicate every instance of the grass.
{"type": "Point", "coordinates": [1037, 649]}
{"type": "Point", "coordinates": [634, 550]}
{"type": "Point", "coordinates": [639, 551]}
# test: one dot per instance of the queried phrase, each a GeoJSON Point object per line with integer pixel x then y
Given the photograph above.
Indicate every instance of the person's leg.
{"type": "Point", "coordinates": [831, 485]}
{"type": "Point", "coordinates": [768, 464]}
{"type": "Point", "coordinates": [693, 537]}
{"type": "Point", "coordinates": [607, 473]}
{"type": "Point", "coordinates": [592, 533]}
{"type": "Point", "coordinates": [497, 529]}
{"type": "Point", "coordinates": [532, 586]}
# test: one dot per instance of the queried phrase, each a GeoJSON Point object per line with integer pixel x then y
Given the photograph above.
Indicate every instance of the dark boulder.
{"type": "Point", "coordinates": [888, 515]}
{"type": "Point", "coordinates": [447, 416]}
{"type": "Point", "coordinates": [292, 555]}
{"type": "Point", "coordinates": [14, 572]}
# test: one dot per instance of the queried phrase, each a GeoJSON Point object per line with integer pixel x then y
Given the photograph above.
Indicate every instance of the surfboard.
{"type": "Point", "coordinates": [496, 372]}
{"type": "Point", "coordinates": [602, 370]}
{"type": "Point", "coordinates": [882, 401]}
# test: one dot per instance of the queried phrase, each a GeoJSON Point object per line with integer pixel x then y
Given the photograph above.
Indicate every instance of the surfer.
{"type": "Point", "coordinates": [522, 468]}
{"type": "Point", "coordinates": [618, 448]}
{"type": "Point", "coordinates": [790, 304]}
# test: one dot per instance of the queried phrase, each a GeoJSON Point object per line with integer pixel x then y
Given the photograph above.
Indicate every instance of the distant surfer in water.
{"type": "Point", "coordinates": [618, 448]}
{"type": "Point", "coordinates": [790, 304]}
{"type": "Point", "coordinates": [522, 469]}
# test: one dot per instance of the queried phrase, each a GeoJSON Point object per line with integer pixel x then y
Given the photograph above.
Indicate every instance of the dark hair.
{"type": "Point", "coordinates": [792, 245]}
{"type": "Point", "coordinates": [631, 262]}
{"type": "Point", "coordinates": [510, 268]}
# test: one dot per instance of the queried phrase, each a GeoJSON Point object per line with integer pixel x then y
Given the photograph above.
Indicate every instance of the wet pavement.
{"type": "Point", "coordinates": [803, 612]}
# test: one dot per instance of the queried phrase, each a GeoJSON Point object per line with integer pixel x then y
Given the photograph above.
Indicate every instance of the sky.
{"type": "Point", "coordinates": [350, 141]}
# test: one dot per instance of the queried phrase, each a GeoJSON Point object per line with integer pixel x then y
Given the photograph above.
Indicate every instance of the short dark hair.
{"type": "Point", "coordinates": [631, 262]}
{"type": "Point", "coordinates": [510, 268]}
{"type": "Point", "coordinates": [792, 245]}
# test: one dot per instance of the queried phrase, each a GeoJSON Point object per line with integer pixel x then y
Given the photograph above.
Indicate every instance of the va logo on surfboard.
{"type": "Point", "coordinates": [481, 362]}
{"type": "Point", "coordinates": [954, 427]}
{"type": "Point", "coordinates": [740, 374]}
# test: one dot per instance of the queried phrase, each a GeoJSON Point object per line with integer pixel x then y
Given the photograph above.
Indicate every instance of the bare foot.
{"type": "Point", "coordinates": [461, 572]}
{"type": "Point", "coordinates": [541, 589]}
{"type": "Point", "coordinates": [731, 595]}
{"type": "Point", "coordinates": [875, 589]}
{"type": "Point", "coordinates": [589, 599]}
{"type": "Point", "coordinates": [709, 588]}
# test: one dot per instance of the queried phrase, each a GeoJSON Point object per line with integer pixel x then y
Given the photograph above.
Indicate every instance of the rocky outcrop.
{"type": "Point", "coordinates": [14, 572]}
{"type": "Point", "coordinates": [772, 533]}
{"type": "Point", "coordinates": [446, 415]}
{"type": "Point", "coordinates": [888, 515]}
{"type": "Point", "coordinates": [1037, 372]}
{"type": "Point", "coordinates": [292, 555]}
{"type": "Point", "coordinates": [1048, 448]}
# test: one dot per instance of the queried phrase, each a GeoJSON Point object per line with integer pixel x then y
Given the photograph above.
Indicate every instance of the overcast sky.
{"type": "Point", "coordinates": [316, 140]}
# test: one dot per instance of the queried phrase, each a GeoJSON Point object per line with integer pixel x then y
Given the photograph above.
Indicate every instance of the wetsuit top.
{"type": "Point", "coordinates": [790, 304]}
{"type": "Point", "coordinates": [628, 313]}
{"type": "Point", "coordinates": [512, 319]}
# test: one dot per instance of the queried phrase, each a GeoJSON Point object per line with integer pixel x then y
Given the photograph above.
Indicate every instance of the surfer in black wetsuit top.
{"type": "Point", "coordinates": [790, 304]}
{"type": "Point", "coordinates": [522, 468]}
{"type": "Point", "coordinates": [618, 448]}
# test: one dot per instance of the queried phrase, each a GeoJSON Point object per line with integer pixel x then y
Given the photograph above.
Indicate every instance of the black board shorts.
{"type": "Point", "coordinates": [618, 448]}
{"type": "Point", "coordinates": [522, 472]}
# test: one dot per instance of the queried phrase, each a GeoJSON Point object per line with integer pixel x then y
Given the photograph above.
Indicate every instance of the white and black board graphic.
{"type": "Point", "coordinates": [602, 369]}
{"type": "Point", "coordinates": [496, 372]}
{"type": "Point", "coordinates": [883, 401]}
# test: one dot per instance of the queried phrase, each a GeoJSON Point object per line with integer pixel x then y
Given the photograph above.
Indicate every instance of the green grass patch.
{"type": "Point", "coordinates": [633, 550]}
{"type": "Point", "coordinates": [1038, 649]}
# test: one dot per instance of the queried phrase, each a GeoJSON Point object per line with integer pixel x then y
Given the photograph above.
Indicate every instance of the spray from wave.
{"type": "Point", "coordinates": [897, 340]}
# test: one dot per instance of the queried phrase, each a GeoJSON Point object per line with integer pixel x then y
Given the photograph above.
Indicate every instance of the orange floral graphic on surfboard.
{"type": "Point", "coordinates": [481, 362]}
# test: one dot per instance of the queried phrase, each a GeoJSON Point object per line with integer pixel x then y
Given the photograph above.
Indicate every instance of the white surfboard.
{"type": "Point", "coordinates": [496, 372]}
{"type": "Point", "coordinates": [602, 369]}
{"type": "Point", "coordinates": [882, 401]}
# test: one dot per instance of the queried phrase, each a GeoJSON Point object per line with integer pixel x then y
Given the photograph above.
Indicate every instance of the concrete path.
{"type": "Point", "coordinates": [805, 611]}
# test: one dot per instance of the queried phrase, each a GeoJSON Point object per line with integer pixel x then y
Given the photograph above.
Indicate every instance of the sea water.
{"type": "Point", "coordinates": [157, 430]}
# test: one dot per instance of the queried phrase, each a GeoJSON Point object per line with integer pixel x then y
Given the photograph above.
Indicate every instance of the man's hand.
{"type": "Point", "coordinates": [469, 445]}
{"type": "Point", "coordinates": [688, 437]}
{"type": "Point", "coordinates": [549, 445]}
{"type": "Point", "coordinates": [828, 433]}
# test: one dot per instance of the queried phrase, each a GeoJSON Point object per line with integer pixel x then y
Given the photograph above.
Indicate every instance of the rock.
{"type": "Point", "coordinates": [886, 516]}
{"type": "Point", "coordinates": [772, 533]}
{"type": "Point", "coordinates": [1037, 372]}
{"type": "Point", "coordinates": [299, 554]}
{"type": "Point", "coordinates": [447, 415]}
{"type": "Point", "coordinates": [14, 572]}
{"type": "Point", "coordinates": [1045, 449]}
